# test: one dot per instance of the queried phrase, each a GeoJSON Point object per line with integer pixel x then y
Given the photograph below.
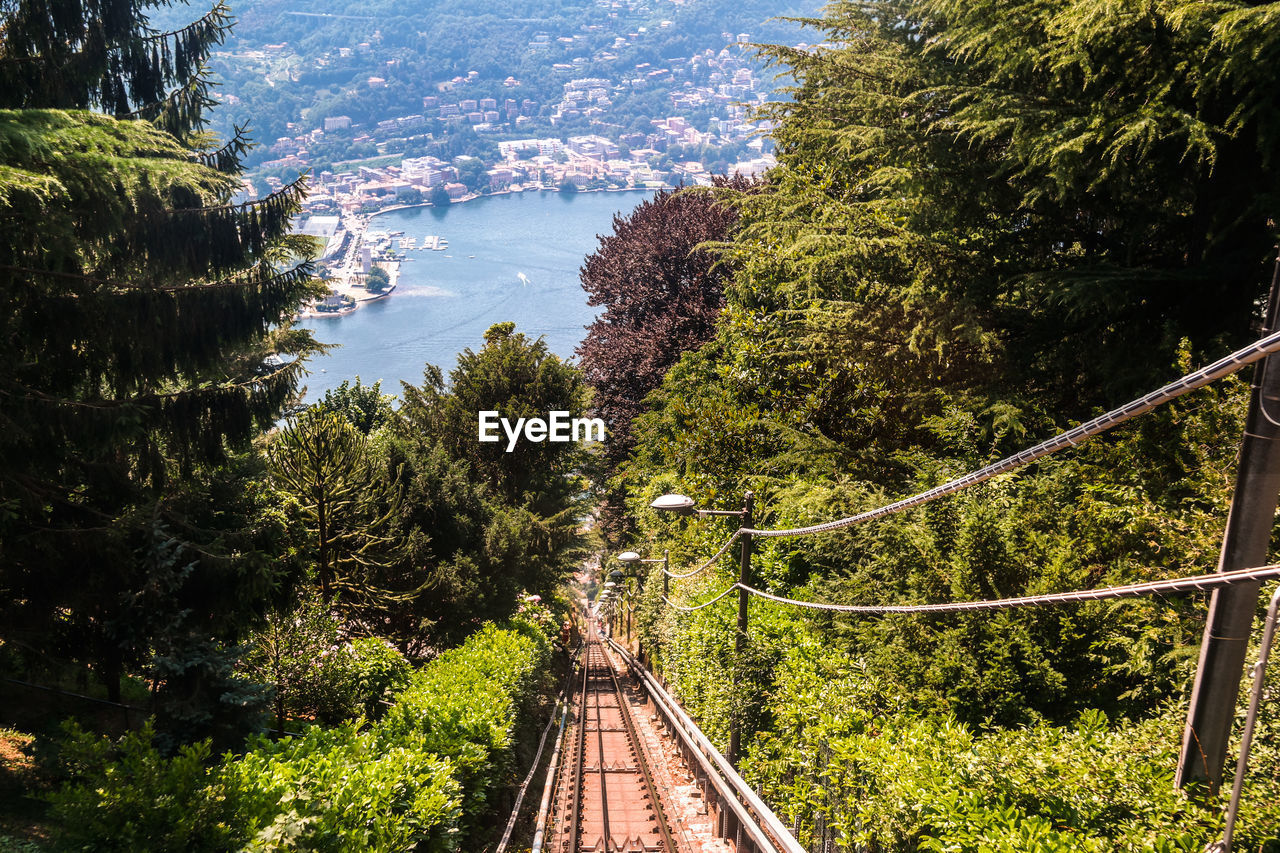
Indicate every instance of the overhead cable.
{"type": "Point", "coordinates": [709, 563]}
{"type": "Point", "coordinates": [703, 604]}
{"type": "Point", "coordinates": [1224, 366]}
{"type": "Point", "coordinates": [1195, 583]}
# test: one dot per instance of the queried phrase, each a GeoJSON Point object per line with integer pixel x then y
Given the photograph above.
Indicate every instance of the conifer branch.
{"type": "Point", "coordinates": [252, 278]}
{"type": "Point", "coordinates": [217, 21]}
{"type": "Point", "coordinates": [227, 158]}
{"type": "Point", "coordinates": [297, 189]}
{"type": "Point", "coordinates": [33, 395]}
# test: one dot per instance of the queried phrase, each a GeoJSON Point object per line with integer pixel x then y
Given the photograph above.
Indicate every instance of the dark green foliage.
{"type": "Point", "coordinates": [343, 498]}
{"type": "Point", "coordinates": [365, 407]}
{"type": "Point", "coordinates": [378, 280]}
{"type": "Point", "coordinates": [145, 343]}
{"type": "Point", "coordinates": [128, 796]}
{"type": "Point", "coordinates": [482, 525]}
{"type": "Point", "coordinates": [104, 56]}
{"type": "Point", "coordinates": [289, 652]}
{"type": "Point", "coordinates": [354, 679]}
{"type": "Point", "coordinates": [1000, 201]}
{"type": "Point", "coordinates": [989, 220]}
{"type": "Point", "coordinates": [517, 377]}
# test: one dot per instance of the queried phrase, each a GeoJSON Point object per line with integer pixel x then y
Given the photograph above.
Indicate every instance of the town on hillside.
{"type": "Point", "coordinates": [709, 129]}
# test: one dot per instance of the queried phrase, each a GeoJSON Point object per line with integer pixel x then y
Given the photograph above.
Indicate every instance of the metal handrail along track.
{"type": "Point", "coordinates": [645, 772]}
{"type": "Point", "coordinates": [760, 826]}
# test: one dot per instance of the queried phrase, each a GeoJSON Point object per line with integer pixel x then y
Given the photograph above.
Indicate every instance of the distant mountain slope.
{"type": "Point", "coordinates": [292, 63]}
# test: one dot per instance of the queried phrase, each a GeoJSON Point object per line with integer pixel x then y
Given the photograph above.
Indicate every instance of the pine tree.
{"type": "Point", "coordinates": [145, 340]}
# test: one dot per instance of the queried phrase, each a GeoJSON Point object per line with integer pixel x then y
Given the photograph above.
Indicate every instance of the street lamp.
{"type": "Point", "coordinates": [630, 557]}
{"type": "Point", "coordinates": [634, 557]}
{"type": "Point", "coordinates": [682, 505]}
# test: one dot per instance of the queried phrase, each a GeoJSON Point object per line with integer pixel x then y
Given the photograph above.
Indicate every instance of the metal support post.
{"type": "Point", "coordinates": [1244, 545]}
{"type": "Point", "coordinates": [1250, 720]}
{"type": "Point", "coordinates": [740, 638]}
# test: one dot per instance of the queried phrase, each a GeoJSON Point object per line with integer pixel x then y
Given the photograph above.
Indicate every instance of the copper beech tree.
{"type": "Point", "coordinates": [662, 289]}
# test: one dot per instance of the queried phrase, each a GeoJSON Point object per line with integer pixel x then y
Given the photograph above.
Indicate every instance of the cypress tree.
{"type": "Point", "coordinates": [144, 344]}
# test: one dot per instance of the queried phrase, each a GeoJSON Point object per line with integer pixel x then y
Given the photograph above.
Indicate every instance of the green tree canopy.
{"type": "Point", "coordinates": [483, 524]}
{"type": "Point", "coordinates": [988, 220]}
{"type": "Point", "coordinates": [324, 463]}
{"type": "Point", "coordinates": [144, 344]}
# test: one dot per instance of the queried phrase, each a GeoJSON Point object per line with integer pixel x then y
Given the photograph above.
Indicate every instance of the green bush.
{"type": "Point", "coordinates": [887, 779]}
{"type": "Point", "coordinates": [465, 705]}
{"type": "Point", "coordinates": [378, 673]}
{"type": "Point", "coordinates": [420, 779]}
{"type": "Point", "coordinates": [356, 679]}
{"type": "Point", "coordinates": [126, 796]}
{"type": "Point", "coordinates": [9, 844]}
{"type": "Point", "coordinates": [341, 790]}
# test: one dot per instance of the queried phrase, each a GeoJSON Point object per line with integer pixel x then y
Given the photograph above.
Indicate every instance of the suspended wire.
{"type": "Point", "coordinates": [703, 604]}
{"type": "Point", "coordinates": [1231, 363]}
{"type": "Point", "coordinates": [1195, 583]}
{"type": "Point", "coordinates": [709, 563]}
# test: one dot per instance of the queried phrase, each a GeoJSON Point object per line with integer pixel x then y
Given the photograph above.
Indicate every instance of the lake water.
{"type": "Point", "coordinates": [512, 257]}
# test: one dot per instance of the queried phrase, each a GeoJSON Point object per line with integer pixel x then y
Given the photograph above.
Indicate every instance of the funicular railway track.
{"type": "Point", "coordinates": [608, 802]}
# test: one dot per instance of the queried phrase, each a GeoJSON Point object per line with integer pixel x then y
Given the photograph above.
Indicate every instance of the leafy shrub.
{"type": "Point", "coordinates": [888, 780]}
{"type": "Point", "coordinates": [420, 779]}
{"type": "Point", "coordinates": [9, 844]}
{"type": "Point", "coordinates": [341, 789]}
{"type": "Point", "coordinates": [464, 705]}
{"type": "Point", "coordinates": [378, 673]}
{"type": "Point", "coordinates": [355, 679]}
{"type": "Point", "coordinates": [127, 796]}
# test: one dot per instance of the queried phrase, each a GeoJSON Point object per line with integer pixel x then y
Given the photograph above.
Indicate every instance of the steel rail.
{"type": "Point", "coordinates": [604, 779]}
{"type": "Point", "coordinates": [580, 754]}
{"type": "Point", "coordinates": [764, 830]}
{"type": "Point", "coordinates": [645, 772]}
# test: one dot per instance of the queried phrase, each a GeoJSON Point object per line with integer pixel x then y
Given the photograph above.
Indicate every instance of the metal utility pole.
{"type": "Point", "coordinates": [666, 576]}
{"type": "Point", "coordinates": [1244, 545]}
{"type": "Point", "coordinates": [740, 638]}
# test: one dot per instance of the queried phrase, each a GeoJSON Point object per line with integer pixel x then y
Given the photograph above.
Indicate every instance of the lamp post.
{"type": "Point", "coordinates": [609, 598]}
{"type": "Point", "coordinates": [631, 557]}
{"type": "Point", "coordinates": [682, 505]}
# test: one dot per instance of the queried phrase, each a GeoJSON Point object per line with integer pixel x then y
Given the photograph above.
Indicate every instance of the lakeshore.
{"type": "Point", "coordinates": [444, 301]}
{"type": "Point", "coordinates": [525, 189]}
{"type": "Point", "coordinates": [348, 272]}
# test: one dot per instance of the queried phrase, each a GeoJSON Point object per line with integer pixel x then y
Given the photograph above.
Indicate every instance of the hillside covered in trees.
{"type": "Point", "coordinates": [289, 66]}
